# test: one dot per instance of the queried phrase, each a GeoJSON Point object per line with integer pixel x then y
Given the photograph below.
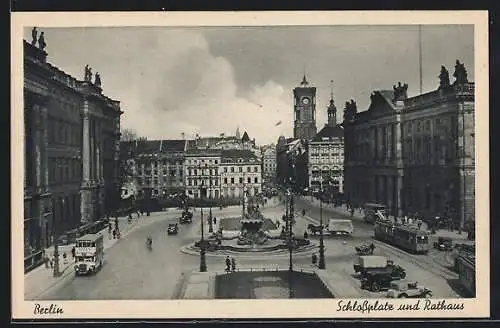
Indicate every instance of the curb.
{"type": "Point", "coordinates": [253, 255]}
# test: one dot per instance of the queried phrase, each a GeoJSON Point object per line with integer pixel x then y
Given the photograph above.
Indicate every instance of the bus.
{"type": "Point", "coordinates": [89, 254]}
{"type": "Point", "coordinates": [406, 237]}
{"type": "Point", "coordinates": [465, 266]}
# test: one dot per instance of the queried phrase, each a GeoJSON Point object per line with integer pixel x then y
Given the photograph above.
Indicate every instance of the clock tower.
{"type": "Point", "coordinates": [304, 107]}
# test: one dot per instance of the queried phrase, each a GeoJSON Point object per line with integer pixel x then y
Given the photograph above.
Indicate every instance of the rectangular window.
{"type": "Point", "coordinates": [241, 180]}
{"type": "Point", "coordinates": [249, 180]}
{"type": "Point", "coordinates": [232, 180]}
{"type": "Point", "coordinates": [225, 169]}
{"type": "Point", "coordinates": [240, 169]}
{"type": "Point", "coordinates": [248, 168]}
{"type": "Point", "coordinates": [232, 169]}
{"type": "Point", "coordinates": [256, 180]}
{"type": "Point", "coordinates": [225, 180]}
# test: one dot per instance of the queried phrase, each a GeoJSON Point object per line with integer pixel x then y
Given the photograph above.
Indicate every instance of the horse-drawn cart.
{"type": "Point", "coordinates": [365, 249]}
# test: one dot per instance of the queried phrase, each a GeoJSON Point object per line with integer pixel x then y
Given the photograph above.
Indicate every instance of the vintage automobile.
{"type": "Point", "coordinates": [186, 217]}
{"type": "Point", "coordinates": [378, 265]}
{"type": "Point", "coordinates": [173, 229]}
{"type": "Point", "coordinates": [376, 281]}
{"type": "Point", "coordinates": [444, 244]}
{"type": "Point", "coordinates": [407, 289]}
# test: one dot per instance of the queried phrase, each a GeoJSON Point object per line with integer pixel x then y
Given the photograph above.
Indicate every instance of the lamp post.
{"type": "Point", "coordinates": [57, 272]}
{"type": "Point", "coordinates": [203, 262]}
{"type": "Point", "coordinates": [210, 221]}
{"type": "Point", "coordinates": [290, 248]}
{"type": "Point", "coordinates": [290, 245]}
{"type": "Point", "coordinates": [321, 263]}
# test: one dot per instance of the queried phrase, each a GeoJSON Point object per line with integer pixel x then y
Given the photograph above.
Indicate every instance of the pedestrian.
{"type": "Point", "coordinates": [65, 258]}
{"type": "Point", "coordinates": [314, 259]}
{"type": "Point", "coordinates": [73, 250]}
{"type": "Point", "coordinates": [233, 264]}
{"type": "Point", "coordinates": [228, 264]}
{"type": "Point", "coordinates": [114, 233]}
{"type": "Point", "coordinates": [215, 220]}
{"type": "Point", "coordinates": [52, 259]}
{"type": "Point", "coordinates": [46, 260]}
{"type": "Point", "coordinates": [352, 211]}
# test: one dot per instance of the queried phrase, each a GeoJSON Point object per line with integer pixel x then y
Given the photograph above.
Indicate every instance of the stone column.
{"type": "Point", "coordinates": [37, 140]}
{"type": "Point", "coordinates": [45, 155]}
{"type": "Point", "coordinates": [399, 190]}
{"type": "Point", "coordinates": [85, 192]}
{"type": "Point", "coordinates": [86, 146]}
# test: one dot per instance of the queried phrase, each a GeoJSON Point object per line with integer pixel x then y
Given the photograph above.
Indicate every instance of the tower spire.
{"type": "Point", "coordinates": [304, 82]}
{"type": "Point", "coordinates": [331, 90]}
{"type": "Point", "coordinates": [238, 132]}
{"type": "Point", "coordinates": [332, 110]}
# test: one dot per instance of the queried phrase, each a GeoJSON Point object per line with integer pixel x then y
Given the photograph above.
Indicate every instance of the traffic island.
{"type": "Point", "coordinates": [270, 285]}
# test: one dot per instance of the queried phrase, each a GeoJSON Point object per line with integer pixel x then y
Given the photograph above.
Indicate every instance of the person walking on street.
{"type": "Point", "coordinates": [73, 252]}
{"type": "Point", "coordinates": [114, 234]}
{"type": "Point", "coordinates": [228, 264]}
{"type": "Point", "coordinates": [46, 260]}
{"type": "Point", "coordinates": [314, 259]}
{"type": "Point", "coordinates": [215, 220]}
{"type": "Point", "coordinates": [233, 264]}
{"type": "Point", "coordinates": [52, 262]}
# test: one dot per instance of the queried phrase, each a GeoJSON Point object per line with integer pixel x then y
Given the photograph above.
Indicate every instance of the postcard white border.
{"type": "Point", "coordinates": [477, 307]}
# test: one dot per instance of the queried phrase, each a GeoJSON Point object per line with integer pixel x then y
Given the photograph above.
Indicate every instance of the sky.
{"type": "Point", "coordinates": [212, 80]}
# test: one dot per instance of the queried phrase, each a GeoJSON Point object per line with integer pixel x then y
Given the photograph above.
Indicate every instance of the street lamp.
{"type": "Point", "coordinates": [210, 221]}
{"type": "Point", "coordinates": [321, 263]}
{"type": "Point", "coordinates": [203, 262]}
{"type": "Point", "coordinates": [290, 245]}
{"type": "Point", "coordinates": [57, 271]}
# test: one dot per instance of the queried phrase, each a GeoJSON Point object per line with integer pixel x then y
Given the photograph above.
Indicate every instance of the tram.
{"type": "Point", "coordinates": [408, 238]}
{"type": "Point", "coordinates": [465, 266]}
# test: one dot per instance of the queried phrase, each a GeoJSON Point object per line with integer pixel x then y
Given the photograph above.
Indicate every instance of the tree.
{"type": "Point", "coordinates": [128, 135]}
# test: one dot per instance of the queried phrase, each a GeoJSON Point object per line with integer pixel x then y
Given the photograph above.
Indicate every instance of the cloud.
{"type": "Point", "coordinates": [212, 80]}
{"type": "Point", "coordinates": [193, 91]}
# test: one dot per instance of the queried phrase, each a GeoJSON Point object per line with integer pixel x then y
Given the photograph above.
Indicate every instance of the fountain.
{"type": "Point", "coordinates": [251, 224]}
{"type": "Point", "coordinates": [250, 233]}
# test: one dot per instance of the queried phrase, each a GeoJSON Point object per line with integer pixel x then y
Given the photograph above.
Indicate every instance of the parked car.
{"type": "Point", "coordinates": [407, 289]}
{"type": "Point", "coordinates": [173, 229]}
{"type": "Point", "coordinates": [444, 244]}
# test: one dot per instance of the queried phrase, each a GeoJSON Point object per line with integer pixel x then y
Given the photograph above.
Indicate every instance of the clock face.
{"type": "Point", "coordinates": [305, 101]}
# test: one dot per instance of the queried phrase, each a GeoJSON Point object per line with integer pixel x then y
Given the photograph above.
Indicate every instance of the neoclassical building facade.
{"type": "Point", "coordinates": [415, 154]}
{"type": "Point", "coordinates": [71, 148]}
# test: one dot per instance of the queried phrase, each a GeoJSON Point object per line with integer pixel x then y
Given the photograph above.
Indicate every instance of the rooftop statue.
{"type": "Point", "coordinates": [460, 73]}
{"type": "Point", "coordinates": [41, 42]}
{"type": "Point", "coordinates": [444, 78]}
{"type": "Point", "coordinates": [34, 34]}
{"type": "Point", "coordinates": [97, 80]}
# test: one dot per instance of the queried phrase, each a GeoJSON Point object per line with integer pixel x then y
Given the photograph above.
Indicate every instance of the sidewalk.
{"type": "Point", "coordinates": [41, 279]}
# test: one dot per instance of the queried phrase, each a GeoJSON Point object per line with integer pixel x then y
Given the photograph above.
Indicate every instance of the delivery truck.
{"type": "Point", "coordinates": [378, 265]}
{"type": "Point", "coordinates": [340, 227]}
